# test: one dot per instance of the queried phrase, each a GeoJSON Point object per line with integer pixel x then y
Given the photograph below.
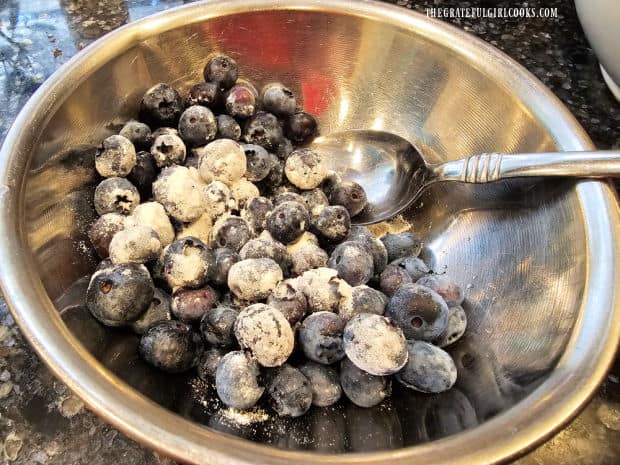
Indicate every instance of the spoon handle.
{"type": "Point", "coordinates": [490, 167]}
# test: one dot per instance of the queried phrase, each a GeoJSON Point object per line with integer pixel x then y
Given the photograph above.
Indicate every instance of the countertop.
{"type": "Point", "coordinates": [41, 422]}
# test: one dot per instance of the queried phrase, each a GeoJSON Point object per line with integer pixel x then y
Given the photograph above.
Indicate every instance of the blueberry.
{"type": "Point", "coordinates": [350, 195]}
{"type": "Point", "coordinates": [227, 128]}
{"type": "Point", "coordinates": [119, 294]}
{"type": "Point", "coordinates": [101, 231]}
{"type": "Point", "coordinates": [324, 382]}
{"type": "Point", "coordinates": [217, 326]}
{"type": "Point", "coordinates": [224, 259]}
{"type": "Point", "coordinates": [180, 194]}
{"type": "Point", "coordinates": [445, 287]}
{"type": "Point", "coordinates": [284, 149]}
{"type": "Point", "coordinates": [322, 288]}
{"type": "Point", "coordinates": [190, 305]}
{"type": "Point", "coordinates": [266, 247]}
{"type": "Point", "coordinates": [457, 324]}
{"type": "Point", "coordinates": [197, 126]}
{"type": "Point", "coordinates": [414, 266]}
{"type": "Point", "coordinates": [306, 254]}
{"type": "Point", "coordinates": [258, 162]}
{"type": "Point", "coordinates": [159, 310]}
{"type": "Point", "coordinates": [208, 362]}
{"type": "Point", "coordinates": [353, 263]}
{"type": "Point", "coordinates": [278, 99]}
{"type": "Point", "coordinates": [256, 212]}
{"type": "Point", "coordinates": [254, 278]}
{"type": "Point", "coordinates": [287, 196]}
{"type": "Point", "coordinates": [206, 94]}
{"type": "Point", "coordinates": [363, 389]}
{"type": "Point", "coordinates": [116, 195]}
{"type": "Point", "coordinates": [362, 299]}
{"type": "Point", "coordinates": [315, 200]}
{"type": "Point", "coordinates": [200, 228]}
{"type": "Point", "coordinates": [332, 224]}
{"type": "Point", "coordinates": [115, 157]}
{"type": "Point", "coordinates": [188, 262]}
{"type": "Point", "coordinates": [301, 127]}
{"type": "Point", "coordinates": [429, 369]}
{"type": "Point", "coordinates": [144, 173]}
{"type": "Point", "coordinates": [265, 332]}
{"type": "Point", "coordinates": [164, 130]}
{"type": "Point", "coordinates": [135, 244]}
{"type": "Point", "coordinates": [420, 312]}
{"type": "Point", "coordinates": [290, 393]}
{"type": "Point", "coordinates": [232, 232]}
{"type": "Point", "coordinates": [275, 178]}
{"type": "Point", "coordinates": [161, 106]}
{"type": "Point", "coordinates": [138, 133]}
{"type": "Point", "coordinates": [392, 278]}
{"type": "Point", "coordinates": [288, 221]}
{"type": "Point", "coordinates": [375, 344]}
{"type": "Point", "coordinates": [288, 299]}
{"type": "Point", "coordinates": [168, 150]}
{"type": "Point", "coordinates": [222, 70]}
{"type": "Point", "coordinates": [219, 199]}
{"type": "Point", "coordinates": [320, 337]}
{"type": "Point", "coordinates": [305, 168]}
{"type": "Point", "coordinates": [169, 346]}
{"type": "Point", "coordinates": [240, 101]}
{"type": "Point", "coordinates": [401, 245]}
{"type": "Point", "coordinates": [263, 129]}
{"type": "Point", "coordinates": [242, 191]}
{"type": "Point", "coordinates": [223, 160]}
{"type": "Point", "coordinates": [154, 215]}
{"type": "Point", "coordinates": [375, 246]}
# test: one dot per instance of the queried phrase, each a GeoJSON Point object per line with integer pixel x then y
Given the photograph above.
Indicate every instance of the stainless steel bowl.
{"type": "Point", "coordinates": [539, 258]}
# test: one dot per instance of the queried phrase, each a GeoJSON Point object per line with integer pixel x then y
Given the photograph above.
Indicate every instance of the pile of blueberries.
{"type": "Point", "coordinates": [242, 261]}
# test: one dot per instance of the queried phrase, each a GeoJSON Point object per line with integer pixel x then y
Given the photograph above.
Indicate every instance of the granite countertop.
{"type": "Point", "coordinates": [41, 422]}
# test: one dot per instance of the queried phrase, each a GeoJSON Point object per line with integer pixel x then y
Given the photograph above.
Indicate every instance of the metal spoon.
{"type": "Point", "coordinates": [394, 174]}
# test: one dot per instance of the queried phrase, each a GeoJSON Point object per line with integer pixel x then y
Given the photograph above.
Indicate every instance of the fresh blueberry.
{"type": "Point", "coordinates": [188, 262]}
{"type": "Point", "coordinates": [241, 101]}
{"type": "Point", "coordinates": [451, 292]}
{"type": "Point", "coordinates": [256, 212]}
{"type": "Point", "coordinates": [206, 94]}
{"type": "Point", "coordinates": [217, 326]}
{"type": "Point", "coordinates": [288, 299]}
{"type": "Point", "coordinates": [324, 382]}
{"type": "Point", "coordinates": [263, 129]}
{"type": "Point", "coordinates": [101, 232]}
{"type": "Point", "coordinates": [401, 245]}
{"type": "Point", "coordinates": [375, 246]}
{"type": "Point", "coordinates": [258, 162]}
{"type": "Point", "coordinates": [266, 333]}
{"type": "Point", "coordinates": [119, 294]}
{"type": "Point", "coordinates": [222, 70]}
{"type": "Point", "coordinates": [180, 194]}
{"type": "Point", "coordinates": [161, 106]}
{"type": "Point", "coordinates": [284, 149]}
{"type": "Point", "coordinates": [154, 215]}
{"type": "Point", "coordinates": [306, 254]}
{"type": "Point", "coordinates": [315, 200]}
{"type": "Point", "coordinates": [305, 168]}
{"type": "Point", "coordinates": [375, 344]}
{"type": "Point", "coordinates": [301, 127]}
{"type": "Point", "coordinates": [232, 232]}
{"type": "Point", "coordinates": [169, 346]}
{"type": "Point", "coordinates": [264, 246]}
{"type": "Point", "coordinates": [159, 310]}
{"type": "Point", "coordinates": [227, 128]}
{"type": "Point", "coordinates": [320, 337]}
{"type": "Point", "coordinates": [414, 266]}
{"type": "Point", "coordinates": [168, 150]}
{"type": "Point", "coordinates": [197, 126]}
{"type": "Point", "coordinates": [392, 278]}
{"type": "Point", "coordinates": [116, 195]}
{"type": "Point", "coordinates": [208, 362]}
{"type": "Point", "coordinates": [362, 299]}
{"type": "Point", "coordinates": [116, 157]}
{"type": "Point", "coordinates": [350, 195]}
{"type": "Point", "coordinates": [363, 389]}
{"type": "Point", "coordinates": [288, 221]}
{"type": "Point", "coordinates": [138, 133]}
{"type": "Point", "coordinates": [254, 278]}
{"type": "Point", "coordinates": [190, 305]}
{"type": "Point", "coordinates": [224, 259]}
{"type": "Point", "coordinates": [332, 224]}
{"type": "Point", "coordinates": [457, 324]}
{"type": "Point", "coordinates": [287, 196]}
{"type": "Point", "coordinates": [429, 369]}
{"type": "Point", "coordinates": [322, 288]}
{"type": "Point", "coordinates": [135, 244]}
{"type": "Point", "coordinates": [223, 160]}
{"type": "Point", "coordinates": [353, 263]}
{"type": "Point", "coordinates": [278, 99]}
{"type": "Point", "coordinates": [289, 391]}
{"type": "Point", "coordinates": [419, 311]}
{"type": "Point", "coordinates": [144, 173]}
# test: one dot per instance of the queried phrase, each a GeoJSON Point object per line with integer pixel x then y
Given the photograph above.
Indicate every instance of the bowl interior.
{"type": "Point", "coordinates": [519, 248]}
